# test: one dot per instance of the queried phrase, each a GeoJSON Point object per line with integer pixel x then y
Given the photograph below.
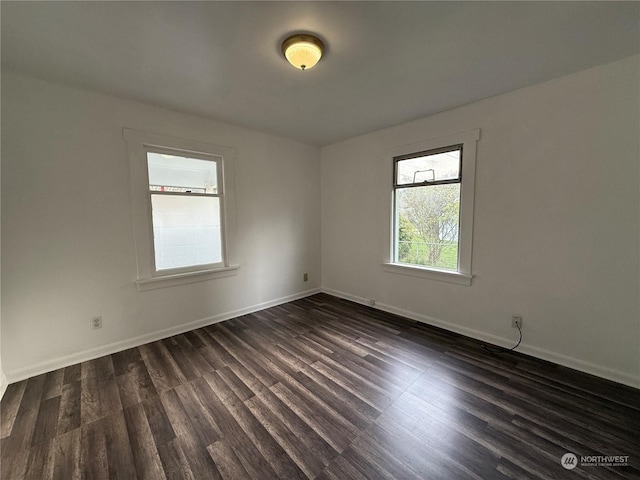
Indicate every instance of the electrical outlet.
{"type": "Point", "coordinates": [516, 321]}
{"type": "Point", "coordinates": [96, 322]}
{"type": "Point", "coordinates": [372, 302]}
{"type": "Point", "coordinates": [305, 277]}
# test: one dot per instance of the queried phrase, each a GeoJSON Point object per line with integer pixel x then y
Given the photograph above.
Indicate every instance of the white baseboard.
{"type": "Point", "coordinates": [3, 384]}
{"type": "Point", "coordinates": [534, 351]}
{"type": "Point", "coordinates": [90, 354]}
{"type": "Point", "coordinates": [347, 296]}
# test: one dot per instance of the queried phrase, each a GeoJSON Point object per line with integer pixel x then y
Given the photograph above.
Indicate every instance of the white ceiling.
{"type": "Point", "coordinates": [386, 62]}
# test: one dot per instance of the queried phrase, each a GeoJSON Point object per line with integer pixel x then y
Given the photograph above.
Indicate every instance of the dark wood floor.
{"type": "Point", "coordinates": [317, 388]}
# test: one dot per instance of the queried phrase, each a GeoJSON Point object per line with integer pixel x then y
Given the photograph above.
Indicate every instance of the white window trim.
{"type": "Point", "coordinates": [463, 276]}
{"type": "Point", "coordinates": [147, 278]}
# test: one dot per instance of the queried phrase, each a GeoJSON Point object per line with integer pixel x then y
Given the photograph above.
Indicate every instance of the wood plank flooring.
{"type": "Point", "coordinates": [319, 388]}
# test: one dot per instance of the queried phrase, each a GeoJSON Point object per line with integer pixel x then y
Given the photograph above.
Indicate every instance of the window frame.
{"type": "Point", "coordinates": [466, 141]}
{"type": "Point", "coordinates": [139, 144]}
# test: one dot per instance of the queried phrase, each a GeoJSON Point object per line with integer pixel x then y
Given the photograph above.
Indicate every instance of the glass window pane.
{"type": "Point", "coordinates": [186, 231]}
{"type": "Point", "coordinates": [171, 173]}
{"type": "Point", "coordinates": [429, 168]}
{"type": "Point", "coordinates": [427, 225]}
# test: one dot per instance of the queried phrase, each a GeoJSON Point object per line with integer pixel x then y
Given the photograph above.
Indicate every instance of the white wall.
{"type": "Point", "coordinates": [557, 211]}
{"type": "Point", "coordinates": [3, 377]}
{"type": "Point", "coordinates": [67, 240]}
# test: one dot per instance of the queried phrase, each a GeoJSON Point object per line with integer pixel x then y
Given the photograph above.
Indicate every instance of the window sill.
{"type": "Point", "coordinates": [429, 273]}
{"type": "Point", "coordinates": [144, 284]}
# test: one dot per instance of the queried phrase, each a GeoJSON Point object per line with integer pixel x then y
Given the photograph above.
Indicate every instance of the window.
{"type": "Point", "coordinates": [186, 204]}
{"type": "Point", "coordinates": [183, 209]}
{"type": "Point", "coordinates": [427, 208]}
{"type": "Point", "coordinates": [432, 208]}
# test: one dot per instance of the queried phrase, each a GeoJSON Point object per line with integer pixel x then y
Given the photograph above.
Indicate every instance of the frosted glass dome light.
{"type": "Point", "coordinates": [303, 51]}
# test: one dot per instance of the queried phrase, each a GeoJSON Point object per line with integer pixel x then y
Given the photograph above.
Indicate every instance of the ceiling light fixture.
{"type": "Point", "coordinates": [303, 51]}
